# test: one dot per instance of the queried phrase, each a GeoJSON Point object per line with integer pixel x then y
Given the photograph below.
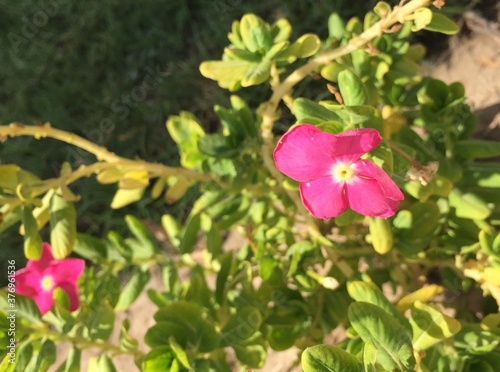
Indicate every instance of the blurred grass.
{"type": "Point", "coordinates": [85, 66]}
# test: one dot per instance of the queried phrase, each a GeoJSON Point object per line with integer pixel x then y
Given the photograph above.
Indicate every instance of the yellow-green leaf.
{"type": "Point", "coordinates": [468, 205]}
{"type": "Point", "coordinates": [422, 17]}
{"type": "Point", "coordinates": [255, 33]}
{"type": "Point", "coordinates": [32, 240]}
{"type": "Point", "coordinates": [62, 226]}
{"type": "Point", "coordinates": [257, 73]}
{"type": "Point", "coordinates": [423, 294]}
{"type": "Point", "coordinates": [109, 176]}
{"type": "Point", "coordinates": [441, 23]}
{"type": "Point", "coordinates": [231, 70]}
{"type": "Point", "coordinates": [381, 235]}
{"type": "Point", "coordinates": [134, 180]}
{"type": "Point", "coordinates": [430, 326]}
{"type": "Point", "coordinates": [177, 190]}
{"type": "Point", "coordinates": [306, 45]}
{"type": "Point", "coordinates": [125, 197]}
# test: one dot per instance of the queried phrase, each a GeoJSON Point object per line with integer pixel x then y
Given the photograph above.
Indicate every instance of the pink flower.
{"type": "Point", "coordinates": [331, 174]}
{"type": "Point", "coordinates": [40, 278]}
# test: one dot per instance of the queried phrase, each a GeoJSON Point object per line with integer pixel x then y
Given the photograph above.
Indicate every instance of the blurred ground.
{"type": "Point", "coordinates": [473, 58]}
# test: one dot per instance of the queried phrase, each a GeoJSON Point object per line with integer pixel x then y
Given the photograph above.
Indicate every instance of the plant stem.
{"type": "Point", "coordinates": [83, 343]}
{"type": "Point", "coordinates": [107, 158]}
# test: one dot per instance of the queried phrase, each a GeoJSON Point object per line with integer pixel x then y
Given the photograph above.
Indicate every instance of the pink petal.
{"type": "Point", "coordinates": [28, 283]}
{"type": "Point", "coordinates": [323, 198]}
{"type": "Point", "coordinates": [66, 271]}
{"type": "Point", "coordinates": [372, 197]}
{"type": "Point", "coordinates": [368, 169]}
{"type": "Point", "coordinates": [44, 300]}
{"type": "Point", "coordinates": [352, 144]}
{"type": "Point", "coordinates": [304, 153]}
{"type": "Point", "coordinates": [44, 261]}
{"type": "Point", "coordinates": [72, 292]}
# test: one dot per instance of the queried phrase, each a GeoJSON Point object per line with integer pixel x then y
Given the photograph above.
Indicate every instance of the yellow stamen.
{"type": "Point", "coordinates": [47, 283]}
{"type": "Point", "coordinates": [343, 172]}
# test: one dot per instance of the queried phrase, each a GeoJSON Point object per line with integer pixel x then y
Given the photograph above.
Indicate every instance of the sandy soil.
{"type": "Point", "coordinates": [473, 58]}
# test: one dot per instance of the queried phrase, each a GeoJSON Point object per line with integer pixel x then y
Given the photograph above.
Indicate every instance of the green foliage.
{"type": "Point", "coordinates": [291, 280]}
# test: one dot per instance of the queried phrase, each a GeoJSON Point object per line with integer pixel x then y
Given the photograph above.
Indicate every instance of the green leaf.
{"type": "Point", "coordinates": [352, 115]}
{"type": "Point", "coordinates": [25, 307]}
{"type": "Point", "coordinates": [352, 89]}
{"type": "Point", "coordinates": [172, 228]}
{"type": "Point", "coordinates": [370, 357]}
{"type": "Point", "coordinates": [382, 9]}
{"type": "Point", "coordinates": [91, 248]}
{"type": "Point", "coordinates": [332, 70]}
{"type": "Point", "coordinates": [257, 73]}
{"type": "Point", "coordinates": [146, 241]}
{"type": "Point", "coordinates": [241, 326]}
{"type": "Point", "coordinates": [468, 205]}
{"type": "Point", "coordinates": [441, 23]}
{"type": "Point", "coordinates": [217, 146]}
{"type": "Point", "coordinates": [185, 130]}
{"type": "Point", "coordinates": [101, 321]}
{"type": "Point", "coordinates": [419, 221]}
{"type": "Point", "coordinates": [252, 355]}
{"type": "Point", "coordinates": [482, 174]}
{"type": "Point", "coordinates": [133, 289]}
{"type": "Point", "coordinates": [281, 30]}
{"type": "Point", "coordinates": [62, 227]}
{"type": "Point", "coordinates": [43, 356]}
{"type": "Point", "coordinates": [9, 177]}
{"type": "Point", "coordinates": [226, 261]}
{"type": "Point", "coordinates": [329, 358]}
{"type": "Point", "coordinates": [335, 26]}
{"type": "Point", "coordinates": [430, 326]}
{"type": "Point", "coordinates": [180, 354]}
{"type": "Point", "coordinates": [105, 364]}
{"type": "Point", "coordinates": [404, 71]}
{"type": "Point", "coordinates": [369, 292]}
{"type": "Point", "coordinates": [388, 336]}
{"type": "Point", "coordinates": [227, 73]}
{"type": "Point", "coordinates": [72, 363]}
{"type": "Point", "coordinates": [32, 240]}
{"type": "Point", "coordinates": [119, 247]}
{"type": "Point", "coordinates": [282, 337]}
{"type": "Point", "coordinates": [198, 291]}
{"type": "Point", "coordinates": [190, 234]}
{"type": "Point", "coordinates": [160, 333]}
{"type": "Point", "coordinates": [333, 127]}
{"type": "Point", "coordinates": [381, 235]}
{"type": "Point", "coordinates": [477, 149]}
{"type": "Point", "coordinates": [127, 342]}
{"type": "Point", "coordinates": [306, 45]}
{"type": "Point", "coordinates": [255, 33]}
{"type": "Point", "coordinates": [305, 108]}
{"type": "Point", "coordinates": [489, 240]}
{"type": "Point", "coordinates": [235, 54]}
{"type": "Point", "coordinates": [296, 252]}
{"type": "Point", "coordinates": [186, 318]}
{"type": "Point", "coordinates": [158, 359]}
{"type": "Point", "coordinates": [10, 216]}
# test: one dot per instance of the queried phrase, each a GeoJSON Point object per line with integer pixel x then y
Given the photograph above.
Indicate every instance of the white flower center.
{"type": "Point", "coordinates": [47, 283]}
{"type": "Point", "coordinates": [343, 172]}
